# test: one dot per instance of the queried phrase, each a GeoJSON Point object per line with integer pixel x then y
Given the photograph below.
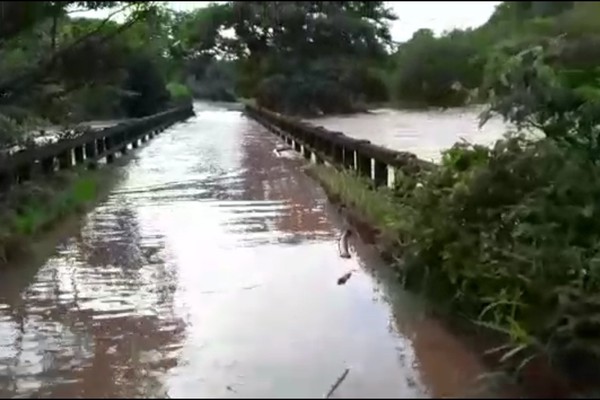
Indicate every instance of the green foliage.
{"type": "Point", "coordinates": [179, 91]}
{"type": "Point", "coordinates": [213, 79]}
{"type": "Point", "coordinates": [506, 237]}
{"type": "Point", "coordinates": [34, 206]}
{"type": "Point", "coordinates": [438, 72]}
{"type": "Point", "coordinates": [148, 86]}
{"type": "Point", "coordinates": [65, 69]}
{"type": "Point", "coordinates": [379, 207]}
{"type": "Point", "coordinates": [297, 57]}
{"type": "Point", "coordinates": [533, 91]}
{"type": "Point", "coordinates": [509, 236]}
{"type": "Point", "coordinates": [449, 70]}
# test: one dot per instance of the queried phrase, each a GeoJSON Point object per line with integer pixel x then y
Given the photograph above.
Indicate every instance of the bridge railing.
{"type": "Point", "coordinates": [86, 149]}
{"type": "Point", "coordinates": [322, 145]}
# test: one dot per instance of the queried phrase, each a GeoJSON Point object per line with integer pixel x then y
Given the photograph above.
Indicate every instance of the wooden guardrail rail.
{"type": "Point", "coordinates": [88, 148]}
{"type": "Point", "coordinates": [321, 145]}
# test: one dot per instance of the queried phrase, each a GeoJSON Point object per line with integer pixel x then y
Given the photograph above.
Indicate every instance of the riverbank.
{"type": "Point", "coordinates": [387, 220]}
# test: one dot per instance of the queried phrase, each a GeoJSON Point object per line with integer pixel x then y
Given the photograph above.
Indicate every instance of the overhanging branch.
{"type": "Point", "coordinates": [14, 87]}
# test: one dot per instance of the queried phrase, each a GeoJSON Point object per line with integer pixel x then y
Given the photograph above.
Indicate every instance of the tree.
{"type": "Point", "coordinates": [148, 86]}
{"type": "Point", "coordinates": [65, 69]}
{"type": "Point", "coordinates": [43, 64]}
{"type": "Point", "coordinates": [293, 55]}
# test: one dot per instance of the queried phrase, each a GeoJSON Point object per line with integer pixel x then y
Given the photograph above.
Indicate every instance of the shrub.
{"type": "Point", "coordinates": [509, 238]}
{"type": "Point", "coordinates": [179, 92]}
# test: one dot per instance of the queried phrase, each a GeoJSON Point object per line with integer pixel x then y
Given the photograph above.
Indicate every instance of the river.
{"type": "Point", "coordinates": [210, 270]}
{"type": "Point", "coordinates": [425, 133]}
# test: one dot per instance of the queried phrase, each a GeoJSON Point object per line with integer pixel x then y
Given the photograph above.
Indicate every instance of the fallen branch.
{"type": "Point", "coordinates": [337, 383]}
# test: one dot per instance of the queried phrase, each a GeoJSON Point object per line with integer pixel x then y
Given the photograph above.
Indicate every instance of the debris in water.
{"type": "Point", "coordinates": [337, 383]}
{"type": "Point", "coordinates": [344, 278]}
{"type": "Point", "coordinates": [343, 244]}
{"type": "Point", "coordinates": [250, 287]}
{"type": "Point", "coordinates": [231, 389]}
{"type": "Point", "coordinates": [278, 149]}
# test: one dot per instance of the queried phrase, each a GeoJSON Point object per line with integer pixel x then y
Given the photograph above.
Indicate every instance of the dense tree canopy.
{"type": "Point", "coordinates": [449, 70]}
{"type": "Point", "coordinates": [61, 68]}
{"type": "Point", "coordinates": [299, 56]}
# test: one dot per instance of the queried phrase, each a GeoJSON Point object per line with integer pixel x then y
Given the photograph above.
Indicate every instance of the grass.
{"type": "Point", "coordinates": [33, 207]}
{"type": "Point", "coordinates": [377, 206]}
{"type": "Point", "coordinates": [374, 207]}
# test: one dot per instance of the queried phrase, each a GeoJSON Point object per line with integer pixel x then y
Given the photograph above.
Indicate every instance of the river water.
{"type": "Point", "coordinates": [211, 270]}
{"type": "Point", "coordinates": [425, 133]}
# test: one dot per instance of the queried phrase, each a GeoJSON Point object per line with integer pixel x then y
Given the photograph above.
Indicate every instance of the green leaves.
{"type": "Point", "coordinates": [297, 57]}
{"type": "Point", "coordinates": [534, 93]}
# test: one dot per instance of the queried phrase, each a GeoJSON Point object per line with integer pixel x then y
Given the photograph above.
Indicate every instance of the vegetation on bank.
{"type": "Point", "coordinates": [35, 206]}
{"type": "Point", "coordinates": [508, 236]}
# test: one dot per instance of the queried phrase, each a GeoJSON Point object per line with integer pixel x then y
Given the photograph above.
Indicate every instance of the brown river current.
{"type": "Point", "coordinates": [210, 270]}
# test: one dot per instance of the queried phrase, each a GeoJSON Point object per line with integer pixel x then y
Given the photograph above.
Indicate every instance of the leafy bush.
{"type": "Point", "coordinates": [512, 239]}
{"type": "Point", "coordinates": [179, 92]}
{"type": "Point", "coordinates": [509, 236]}
{"type": "Point", "coordinates": [506, 237]}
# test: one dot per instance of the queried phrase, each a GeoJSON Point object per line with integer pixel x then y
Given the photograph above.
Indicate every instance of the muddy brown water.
{"type": "Point", "coordinates": [211, 271]}
{"type": "Point", "coordinates": [425, 133]}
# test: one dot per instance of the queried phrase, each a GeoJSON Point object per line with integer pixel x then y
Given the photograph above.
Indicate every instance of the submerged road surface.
{"type": "Point", "coordinates": [211, 270]}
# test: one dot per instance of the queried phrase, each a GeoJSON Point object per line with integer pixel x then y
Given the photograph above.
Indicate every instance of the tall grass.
{"type": "Point", "coordinates": [378, 206]}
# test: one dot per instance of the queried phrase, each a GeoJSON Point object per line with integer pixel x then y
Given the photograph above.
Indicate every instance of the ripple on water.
{"type": "Point", "coordinates": [210, 270]}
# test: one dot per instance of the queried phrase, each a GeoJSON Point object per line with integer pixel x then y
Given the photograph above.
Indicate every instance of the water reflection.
{"type": "Point", "coordinates": [211, 270]}
{"type": "Point", "coordinates": [293, 203]}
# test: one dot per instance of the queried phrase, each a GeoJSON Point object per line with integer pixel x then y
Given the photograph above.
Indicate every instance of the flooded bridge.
{"type": "Point", "coordinates": [211, 270]}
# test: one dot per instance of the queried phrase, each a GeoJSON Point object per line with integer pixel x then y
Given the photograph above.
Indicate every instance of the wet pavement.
{"type": "Point", "coordinates": [211, 271]}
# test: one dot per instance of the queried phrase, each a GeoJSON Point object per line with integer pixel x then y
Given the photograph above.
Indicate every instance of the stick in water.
{"type": "Point", "coordinates": [343, 244]}
{"type": "Point", "coordinates": [337, 383]}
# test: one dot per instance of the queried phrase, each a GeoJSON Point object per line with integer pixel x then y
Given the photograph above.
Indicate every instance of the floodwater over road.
{"type": "Point", "coordinates": [211, 270]}
{"type": "Point", "coordinates": [425, 133]}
